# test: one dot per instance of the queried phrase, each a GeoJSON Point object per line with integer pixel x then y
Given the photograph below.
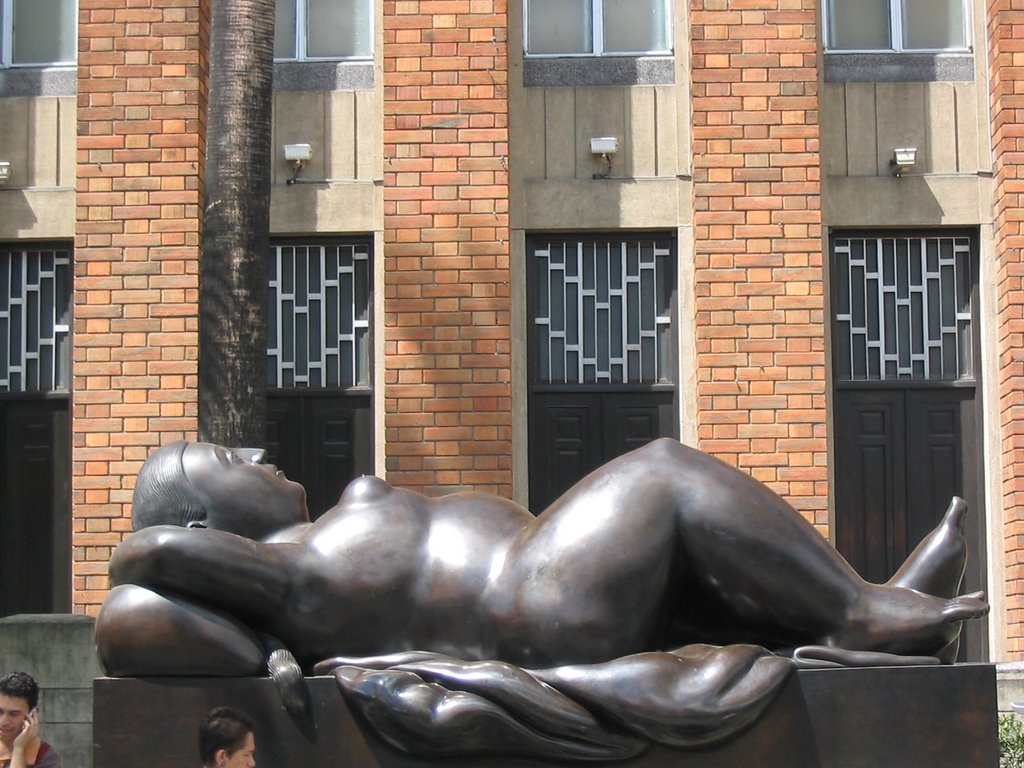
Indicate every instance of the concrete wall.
{"type": "Point", "coordinates": [58, 651]}
{"type": "Point", "coordinates": [554, 115]}
{"type": "Point", "coordinates": [37, 137]}
{"type": "Point", "coordinates": [340, 190]}
{"type": "Point", "coordinates": [946, 120]}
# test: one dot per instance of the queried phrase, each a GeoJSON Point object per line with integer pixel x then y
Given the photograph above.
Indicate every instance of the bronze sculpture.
{"type": "Point", "coordinates": [581, 632]}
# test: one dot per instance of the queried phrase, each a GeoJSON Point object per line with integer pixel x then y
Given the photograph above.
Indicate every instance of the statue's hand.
{"type": "Point", "coordinates": [455, 708]}
{"type": "Point", "coordinates": [288, 677]}
{"type": "Point", "coordinates": [824, 656]}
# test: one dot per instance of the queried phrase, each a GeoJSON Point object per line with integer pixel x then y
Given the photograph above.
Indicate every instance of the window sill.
{"type": "Point", "coordinates": [39, 81]}
{"type": "Point", "coordinates": [323, 75]}
{"type": "Point", "coordinates": [599, 70]}
{"type": "Point", "coordinates": [899, 67]}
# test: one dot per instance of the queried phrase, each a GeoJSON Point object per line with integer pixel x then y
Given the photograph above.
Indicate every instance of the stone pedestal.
{"type": "Point", "coordinates": [892, 717]}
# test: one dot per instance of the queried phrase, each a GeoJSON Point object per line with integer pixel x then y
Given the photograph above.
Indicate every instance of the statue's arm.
{"type": "Point", "coordinates": [221, 569]}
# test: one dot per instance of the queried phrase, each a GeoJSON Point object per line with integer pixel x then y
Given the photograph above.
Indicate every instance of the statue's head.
{"type": "Point", "coordinates": [203, 485]}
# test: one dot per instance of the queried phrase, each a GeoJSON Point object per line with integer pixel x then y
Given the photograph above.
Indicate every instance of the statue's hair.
{"type": "Point", "coordinates": [163, 493]}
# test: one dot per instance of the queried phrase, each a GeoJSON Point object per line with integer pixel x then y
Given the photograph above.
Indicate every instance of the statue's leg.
{"type": "Point", "coordinates": [778, 571]}
{"type": "Point", "coordinates": [140, 632]}
{"type": "Point", "coordinates": [667, 533]}
{"type": "Point", "coordinates": [936, 566]}
{"type": "Point", "coordinates": [690, 548]}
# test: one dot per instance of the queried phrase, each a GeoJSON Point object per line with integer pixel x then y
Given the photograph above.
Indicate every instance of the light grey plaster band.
{"type": "Point", "coordinates": [600, 70]}
{"type": "Point", "coordinates": [899, 67]}
{"type": "Point", "coordinates": [323, 76]}
{"type": "Point", "coordinates": [42, 81]}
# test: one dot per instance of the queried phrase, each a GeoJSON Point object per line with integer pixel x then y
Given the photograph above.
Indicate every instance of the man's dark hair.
{"type": "Point", "coordinates": [19, 685]}
{"type": "Point", "coordinates": [224, 728]}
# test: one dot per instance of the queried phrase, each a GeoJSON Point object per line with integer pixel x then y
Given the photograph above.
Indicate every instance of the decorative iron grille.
{"type": "Point", "coordinates": [903, 308]}
{"type": "Point", "coordinates": [35, 320]}
{"type": "Point", "coordinates": [319, 316]}
{"type": "Point", "coordinates": [604, 311]}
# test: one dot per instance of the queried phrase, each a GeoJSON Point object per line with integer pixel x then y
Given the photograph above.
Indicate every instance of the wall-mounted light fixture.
{"type": "Point", "coordinates": [604, 147]}
{"type": "Point", "coordinates": [903, 158]}
{"type": "Point", "coordinates": [298, 155]}
{"type": "Point", "coordinates": [5, 171]}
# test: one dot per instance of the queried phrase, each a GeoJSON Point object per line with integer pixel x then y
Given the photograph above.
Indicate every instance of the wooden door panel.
{"type": "Point", "coordinates": [937, 433]}
{"type": "Point", "coordinates": [901, 455]}
{"type": "Point", "coordinates": [635, 419]}
{"type": "Point", "coordinates": [339, 450]}
{"type": "Point", "coordinates": [322, 442]}
{"type": "Point", "coordinates": [870, 490]}
{"type": "Point", "coordinates": [284, 435]}
{"type": "Point", "coordinates": [943, 442]}
{"type": "Point", "coordinates": [565, 443]}
{"type": "Point", "coordinates": [35, 513]}
{"type": "Point", "coordinates": [574, 433]}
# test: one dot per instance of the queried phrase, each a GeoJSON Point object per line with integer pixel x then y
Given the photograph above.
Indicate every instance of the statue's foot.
{"type": "Point", "coordinates": [936, 566]}
{"type": "Point", "coordinates": [904, 621]}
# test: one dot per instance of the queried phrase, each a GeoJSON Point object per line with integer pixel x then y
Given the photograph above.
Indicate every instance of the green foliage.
{"type": "Point", "coordinates": [1011, 741]}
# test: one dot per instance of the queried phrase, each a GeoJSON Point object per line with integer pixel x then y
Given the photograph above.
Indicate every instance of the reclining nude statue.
{"type": "Point", "coordinates": [666, 598]}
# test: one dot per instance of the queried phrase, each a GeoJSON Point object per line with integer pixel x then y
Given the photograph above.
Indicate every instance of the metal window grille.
{"type": "Point", "coordinates": [603, 311]}
{"type": "Point", "coordinates": [903, 308]}
{"type": "Point", "coordinates": [35, 316]}
{"type": "Point", "coordinates": [319, 316]}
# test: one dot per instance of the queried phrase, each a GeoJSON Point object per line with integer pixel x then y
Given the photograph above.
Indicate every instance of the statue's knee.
{"type": "Point", "coordinates": [142, 632]}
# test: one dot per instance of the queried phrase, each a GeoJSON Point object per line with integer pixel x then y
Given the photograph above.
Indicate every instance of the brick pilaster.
{"type": "Point", "coordinates": [141, 117]}
{"type": "Point", "coordinates": [446, 245]}
{"type": "Point", "coordinates": [757, 240]}
{"type": "Point", "coordinates": [1006, 62]}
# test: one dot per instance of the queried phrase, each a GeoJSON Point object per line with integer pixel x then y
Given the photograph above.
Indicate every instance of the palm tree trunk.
{"type": "Point", "coordinates": [236, 225]}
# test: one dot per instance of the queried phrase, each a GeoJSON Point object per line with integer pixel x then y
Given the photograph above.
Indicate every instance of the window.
{"type": "Point", "coordinates": [323, 29]}
{"type": "Point", "coordinates": [38, 32]}
{"type": "Point", "coordinates": [603, 311]}
{"type": "Point", "coordinates": [35, 312]}
{"type": "Point", "coordinates": [903, 308]}
{"type": "Point", "coordinates": [897, 25]}
{"type": "Point", "coordinates": [319, 324]}
{"type": "Point", "coordinates": [597, 27]}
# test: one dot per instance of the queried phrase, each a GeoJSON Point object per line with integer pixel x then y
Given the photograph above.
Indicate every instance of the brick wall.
{"type": "Point", "coordinates": [1006, 44]}
{"type": "Point", "coordinates": [758, 249]}
{"type": "Point", "coordinates": [141, 109]}
{"type": "Point", "coordinates": [446, 246]}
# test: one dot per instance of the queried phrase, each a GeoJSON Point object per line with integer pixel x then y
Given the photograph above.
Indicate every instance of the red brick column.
{"type": "Point", "coordinates": [757, 240]}
{"type": "Point", "coordinates": [446, 245]}
{"type": "Point", "coordinates": [1006, 62]}
{"type": "Point", "coordinates": [141, 116]}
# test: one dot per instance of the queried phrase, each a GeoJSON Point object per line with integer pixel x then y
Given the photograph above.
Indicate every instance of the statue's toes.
{"type": "Point", "coordinates": [970, 606]}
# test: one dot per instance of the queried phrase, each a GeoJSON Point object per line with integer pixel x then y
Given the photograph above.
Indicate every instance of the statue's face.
{"type": "Point", "coordinates": [240, 496]}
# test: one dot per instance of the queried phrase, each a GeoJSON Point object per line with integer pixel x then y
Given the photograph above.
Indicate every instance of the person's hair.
{"type": "Point", "coordinates": [20, 685]}
{"type": "Point", "coordinates": [163, 493]}
{"type": "Point", "coordinates": [223, 728]}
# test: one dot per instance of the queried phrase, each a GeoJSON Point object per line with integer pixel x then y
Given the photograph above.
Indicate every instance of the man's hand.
{"type": "Point", "coordinates": [29, 730]}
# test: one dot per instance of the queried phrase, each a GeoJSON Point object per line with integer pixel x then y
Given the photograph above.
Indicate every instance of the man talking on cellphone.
{"type": "Point", "coordinates": [20, 745]}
